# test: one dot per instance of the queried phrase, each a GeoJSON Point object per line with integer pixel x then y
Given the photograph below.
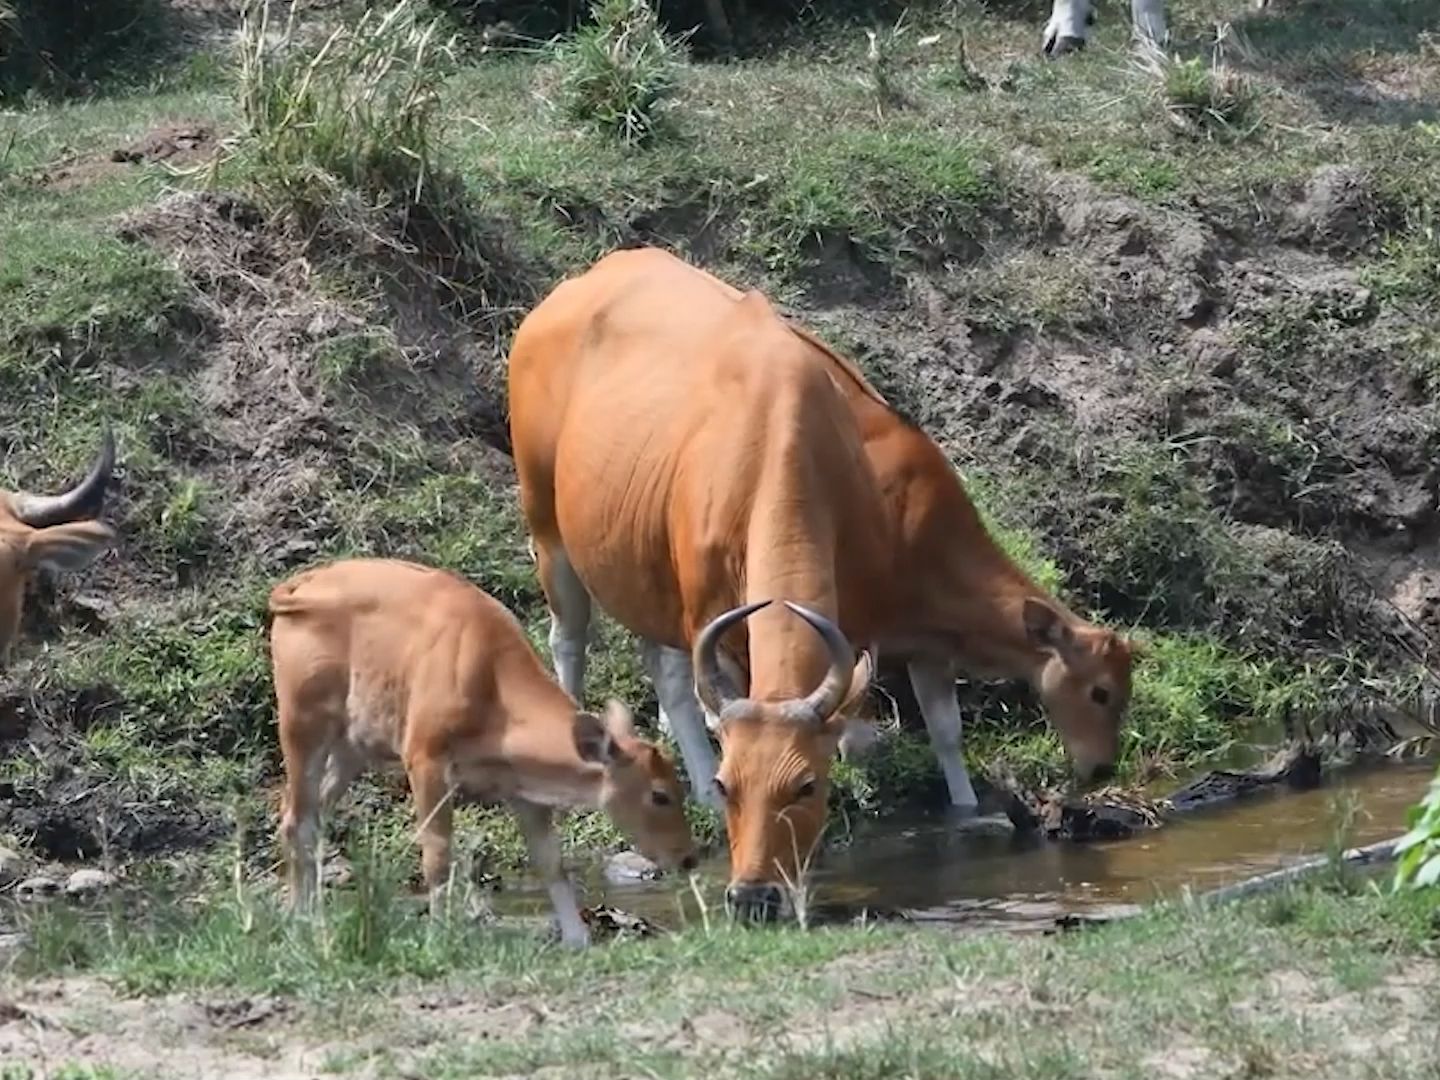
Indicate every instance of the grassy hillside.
{"type": "Point", "coordinates": [1176, 322]}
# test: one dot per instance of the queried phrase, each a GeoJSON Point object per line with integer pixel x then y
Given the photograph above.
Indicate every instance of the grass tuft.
{"type": "Point", "coordinates": [1201, 100]}
{"type": "Point", "coordinates": [619, 72]}
{"type": "Point", "coordinates": [353, 113]}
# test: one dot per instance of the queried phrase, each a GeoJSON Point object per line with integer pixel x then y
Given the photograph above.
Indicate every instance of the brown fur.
{"type": "Point", "coordinates": [688, 451]}
{"type": "Point", "coordinates": [378, 660]}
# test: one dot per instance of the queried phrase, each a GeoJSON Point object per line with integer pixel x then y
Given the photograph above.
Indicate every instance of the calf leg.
{"type": "Point", "coordinates": [300, 815]}
{"type": "Point", "coordinates": [682, 717]}
{"type": "Point", "coordinates": [434, 813]}
{"type": "Point", "coordinates": [544, 848]}
{"type": "Point", "coordinates": [569, 603]}
{"type": "Point", "coordinates": [934, 685]}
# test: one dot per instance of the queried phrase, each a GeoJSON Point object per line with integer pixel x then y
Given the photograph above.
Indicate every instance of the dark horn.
{"type": "Point", "coordinates": [84, 501]}
{"type": "Point", "coordinates": [830, 694]}
{"type": "Point", "coordinates": [712, 685]}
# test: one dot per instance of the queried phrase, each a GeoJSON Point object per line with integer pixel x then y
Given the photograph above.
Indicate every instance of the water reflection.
{"type": "Point", "coordinates": [932, 871]}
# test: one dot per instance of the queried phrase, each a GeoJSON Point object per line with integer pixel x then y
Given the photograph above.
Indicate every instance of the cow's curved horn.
{"type": "Point", "coordinates": [712, 685]}
{"type": "Point", "coordinates": [830, 694]}
{"type": "Point", "coordinates": [83, 501]}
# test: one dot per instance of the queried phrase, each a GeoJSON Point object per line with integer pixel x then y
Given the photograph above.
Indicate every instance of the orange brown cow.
{"type": "Point", "coordinates": [380, 660]}
{"type": "Point", "coordinates": [61, 532]}
{"type": "Point", "coordinates": [685, 454]}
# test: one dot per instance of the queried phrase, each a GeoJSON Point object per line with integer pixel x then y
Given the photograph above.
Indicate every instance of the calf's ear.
{"type": "Point", "coordinates": [595, 739]}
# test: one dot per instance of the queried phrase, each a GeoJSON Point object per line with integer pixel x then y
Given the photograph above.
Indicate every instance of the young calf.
{"type": "Point", "coordinates": [378, 660]}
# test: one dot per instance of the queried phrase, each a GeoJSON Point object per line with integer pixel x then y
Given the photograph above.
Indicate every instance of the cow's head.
{"type": "Point", "coordinates": [58, 531]}
{"type": "Point", "coordinates": [641, 791]}
{"type": "Point", "coordinates": [775, 762]}
{"type": "Point", "coordinates": [1084, 684]}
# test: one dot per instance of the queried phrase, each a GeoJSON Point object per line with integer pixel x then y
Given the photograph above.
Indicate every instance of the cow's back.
{"type": "Point", "coordinates": [648, 400]}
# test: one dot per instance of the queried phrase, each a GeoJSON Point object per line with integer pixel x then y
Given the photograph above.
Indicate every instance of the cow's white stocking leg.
{"type": "Point", "coordinates": [300, 828]}
{"type": "Point", "coordinates": [1068, 28]}
{"type": "Point", "coordinates": [1148, 20]}
{"type": "Point", "coordinates": [934, 685]}
{"type": "Point", "coordinates": [682, 717]}
{"type": "Point", "coordinates": [544, 848]}
{"type": "Point", "coordinates": [569, 603]}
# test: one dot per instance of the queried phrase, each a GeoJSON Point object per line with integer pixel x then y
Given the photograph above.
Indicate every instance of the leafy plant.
{"type": "Point", "coordinates": [618, 71]}
{"type": "Point", "coordinates": [1418, 852]}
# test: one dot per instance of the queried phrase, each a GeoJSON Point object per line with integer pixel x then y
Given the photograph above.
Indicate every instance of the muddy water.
{"type": "Point", "coordinates": [934, 871]}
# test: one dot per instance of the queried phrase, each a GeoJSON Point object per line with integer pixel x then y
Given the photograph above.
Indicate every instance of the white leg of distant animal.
{"type": "Point", "coordinates": [544, 848]}
{"type": "Point", "coordinates": [682, 717]}
{"type": "Point", "coordinates": [934, 685]}
{"type": "Point", "coordinates": [569, 602]}
{"type": "Point", "coordinates": [1148, 20]}
{"type": "Point", "coordinates": [1069, 27]}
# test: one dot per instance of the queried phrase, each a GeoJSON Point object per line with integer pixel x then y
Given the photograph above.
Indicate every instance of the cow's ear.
{"type": "Point", "coordinates": [72, 546]}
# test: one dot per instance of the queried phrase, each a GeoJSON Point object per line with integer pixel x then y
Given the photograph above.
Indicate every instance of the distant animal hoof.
{"type": "Point", "coordinates": [1063, 46]}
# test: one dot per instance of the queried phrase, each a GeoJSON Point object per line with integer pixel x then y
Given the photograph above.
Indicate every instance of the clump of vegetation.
{"type": "Point", "coordinates": [354, 113]}
{"type": "Point", "coordinates": [1419, 849]}
{"type": "Point", "coordinates": [1202, 100]}
{"type": "Point", "coordinates": [621, 70]}
{"type": "Point", "coordinates": [345, 133]}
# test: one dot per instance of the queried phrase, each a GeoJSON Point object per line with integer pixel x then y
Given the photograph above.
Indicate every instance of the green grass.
{"type": "Point", "coordinates": [882, 1001]}
{"type": "Point", "coordinates": [779, 171]}
{"type": "Point", "coordinates": [619, 71]}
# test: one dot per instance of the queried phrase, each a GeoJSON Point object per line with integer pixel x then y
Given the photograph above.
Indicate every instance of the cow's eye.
{"type": "Point", "coordinates": [660, 798]}
{"type": "Point", "coordinates": [720, 787]}
{"type": "Point", "coordinates": [805, 790]}
{"type": "Point", "coordinates": [1100, 695]}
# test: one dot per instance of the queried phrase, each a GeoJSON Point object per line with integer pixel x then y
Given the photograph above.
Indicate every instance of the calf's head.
{"type": "Point", "coordinates": [640, 791]}
{"type": "Point", "coordinates": [775, 762]}
{"type": "Point", "coordinates": [1084, 684]}
{"type": "Point", "coordinates": [58, 531]}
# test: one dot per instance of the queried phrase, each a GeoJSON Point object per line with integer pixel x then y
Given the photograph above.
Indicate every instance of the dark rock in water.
{"type": "Point", "coordinates": [628, 866]}
{"type": "Point", "coordinates": [1296, 767]}
{"type": "Point", "coordinates": [606, 921]}
{"type": "Point", "coordinates": [13, 867]}
{"type": "Point", "coordinates": [1113, 814]}
{"type": "Point", "coordinates": [88, 881]}
{"type": "Point", "coordinates": [36, 888]}
{"type": "Point", "coordinates": [1096, 818]}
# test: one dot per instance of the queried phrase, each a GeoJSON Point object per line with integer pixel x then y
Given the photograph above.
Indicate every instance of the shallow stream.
{"type": "Point", "coordinates": [932, 870]}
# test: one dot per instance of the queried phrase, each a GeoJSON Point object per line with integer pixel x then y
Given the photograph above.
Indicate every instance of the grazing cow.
{"type": "Point", "coordinates": [684, 460]}
{"type": "Point", "coordinates": [58, 531]}
{"type": "Point", "coordinates": [679, 451]}
{"type": "Point", "coordinates": [378, 660]}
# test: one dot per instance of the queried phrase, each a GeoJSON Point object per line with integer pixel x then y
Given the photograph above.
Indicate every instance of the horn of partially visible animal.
{"type": "Point", "coordinates": [712, 686]}
{"type": "Point", "coordinates": [82, 502]}
{"type": "Point", "coordinates": [826, 698]}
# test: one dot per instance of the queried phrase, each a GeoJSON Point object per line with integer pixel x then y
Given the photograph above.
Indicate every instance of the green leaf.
{"type": "Point", "coordinates": [1415, 836]}
{"type": "Point", "coordinates": [1429, 873]}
